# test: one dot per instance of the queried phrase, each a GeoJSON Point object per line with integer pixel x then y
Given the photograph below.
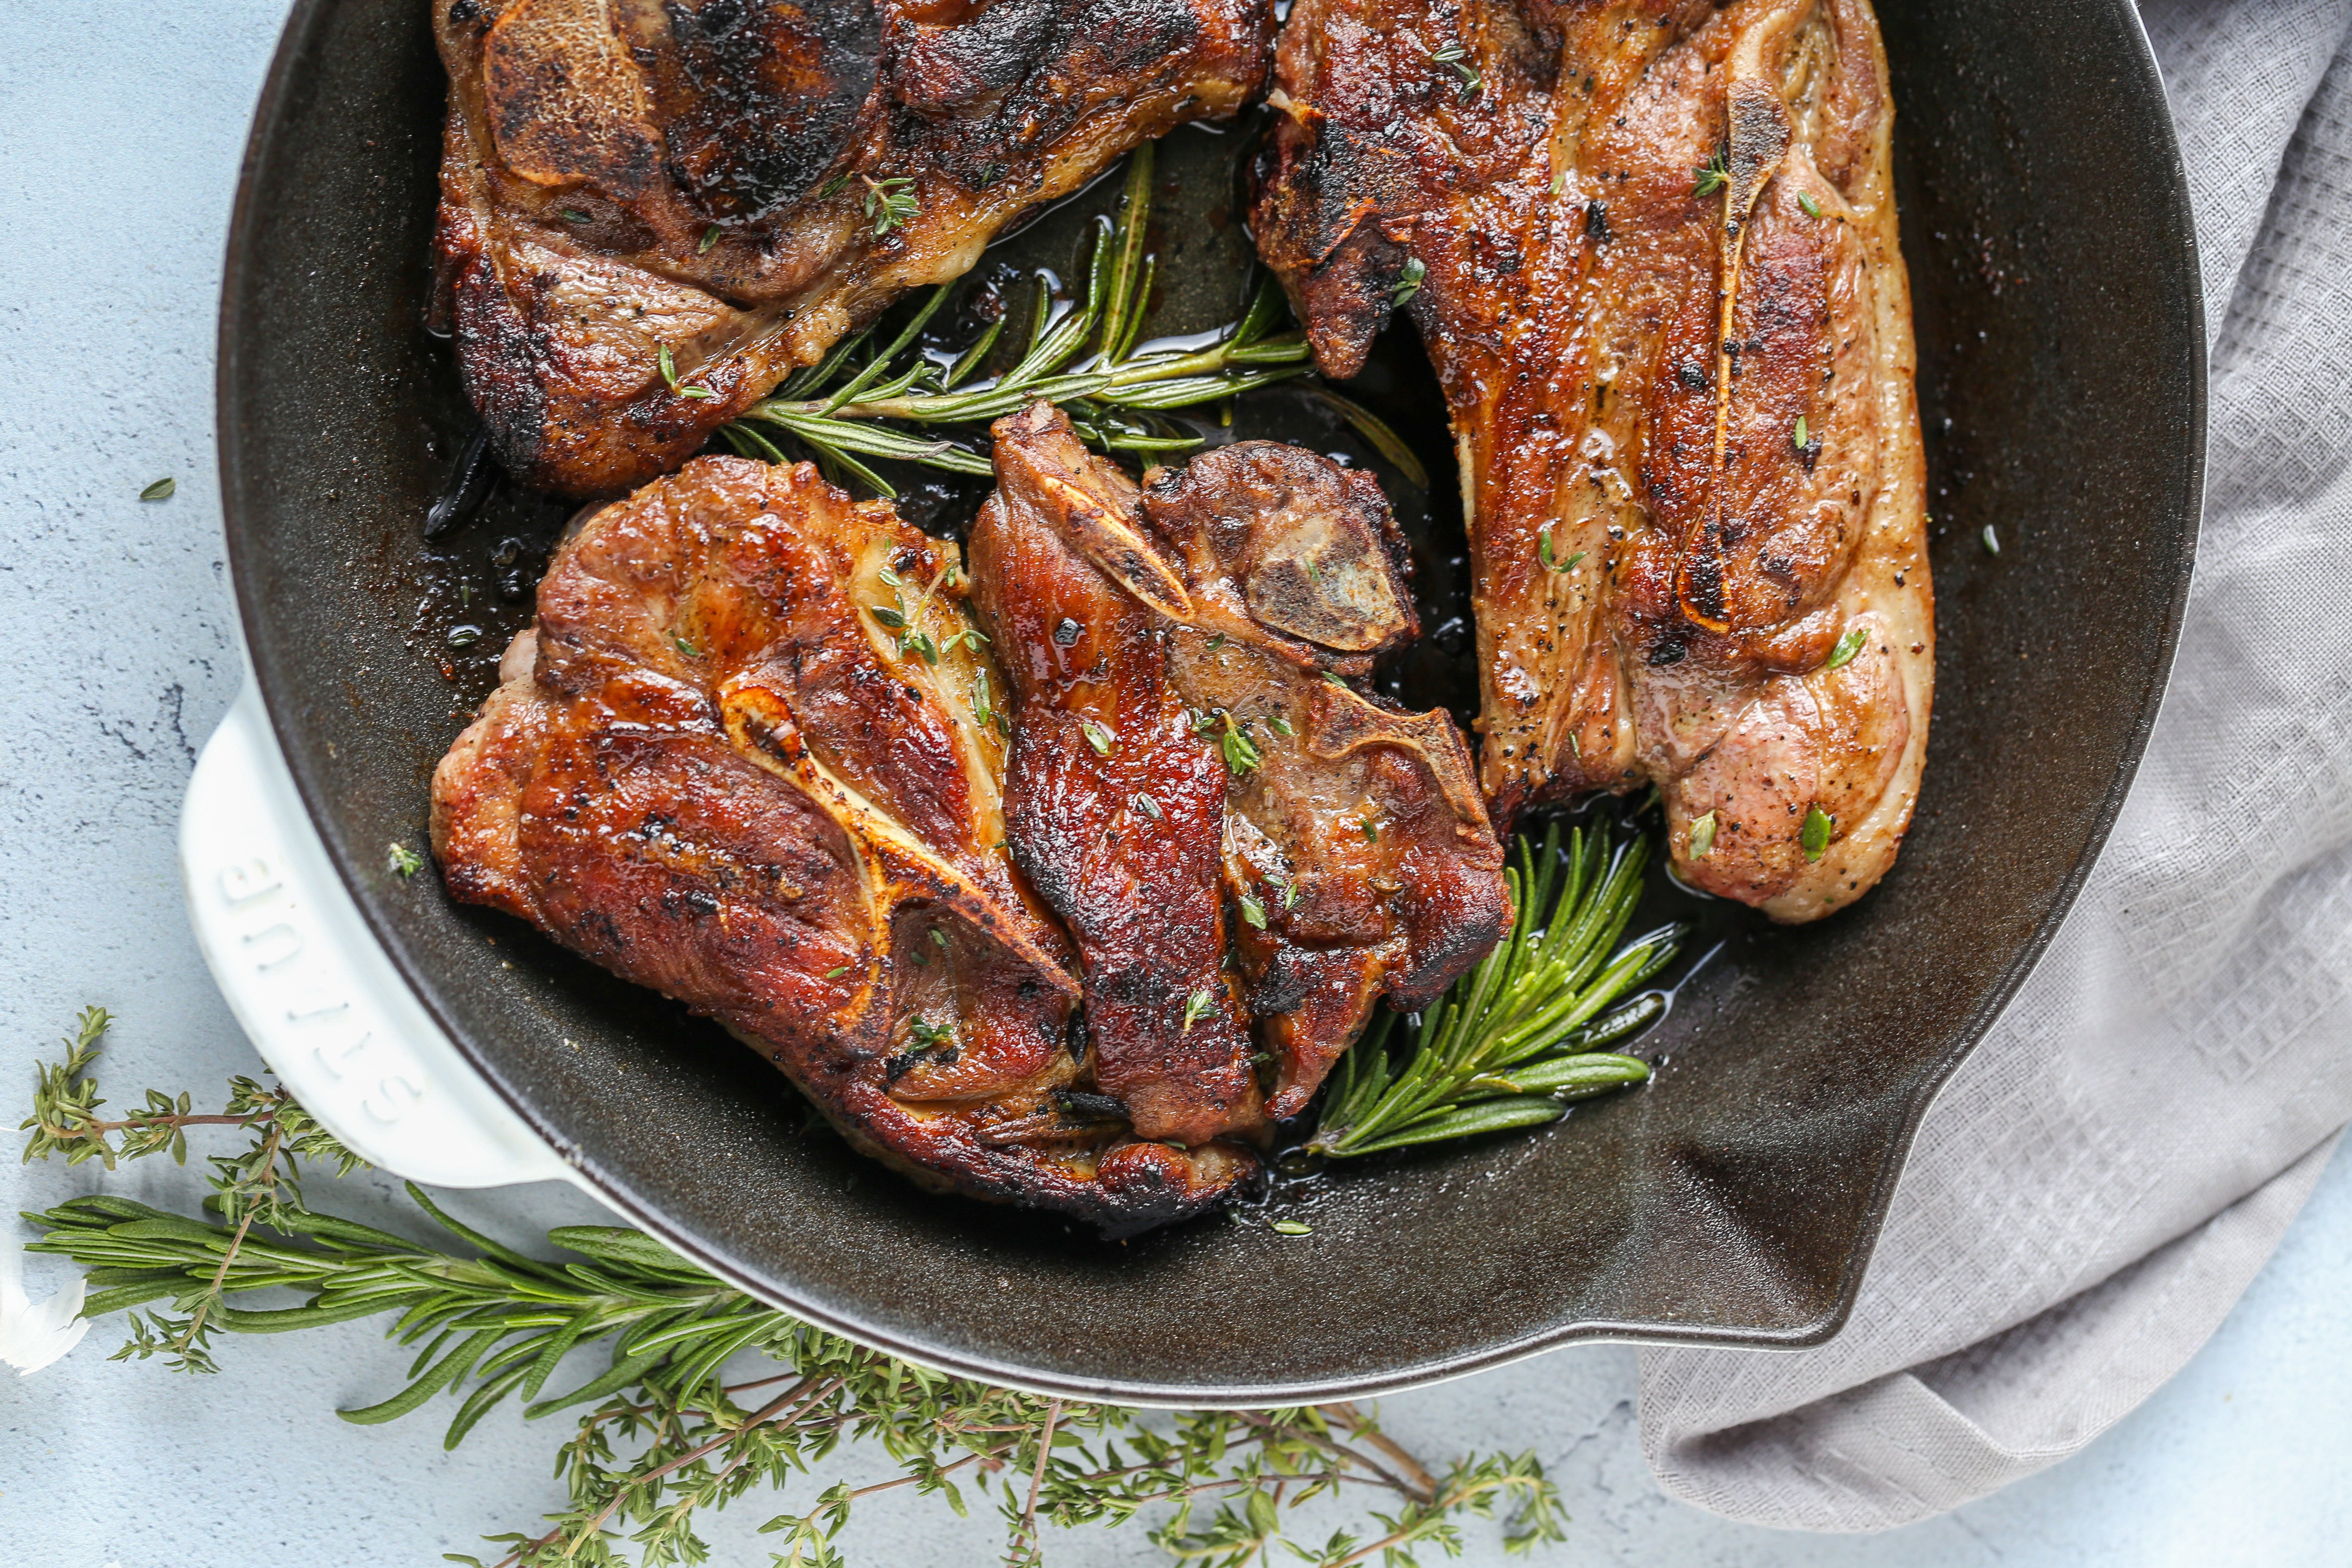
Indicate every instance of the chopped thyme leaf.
{"type": "Point", "coordinates": [1992, 540]}
{"type": "Point", "coordinates": [1281, 726]}
{"type": "Point", "coordinates": [1847, 646]}
{"type": "Point", "coordinates": [889, 616]}
{"type": "Point", "coordinates": [573, 214]}
{"type": "Point", "coordinates": [1290, 897]}
{"type": "Point", "coordinates": [1543, 552]}
{"type": "Point", "coordinates": [1253, 911]}
{"type": "Point", "coordinates": [889, 579]}
{"type": "Point", "coordinates": [1713, 175]}
{"type": "Point", "coordinates": [402, 861]}
{"type": "Point", "coordinates": [890, 204]}
{"type": "Point", "coordinates": [1290, 1227]}
{"type": "Point", "coordinates": [1802, 439]}
{"type": "Point", "coordinates": [1813, 208]}
{"type": "Point", "coordinates": [161, 489]}
{"type": "Point", "coordinates": [709, 239]}
{"type": "Point", "coordinates": [1099, 736]}
{"type": "Point", "coordinates": [834, 186]}
{"type": "Point", "coordinates": [939, 939]}
{"type": "Point", "coordinates": [836, 973]}
{"type": "Point", "coordinates": [918, 643]}
{"type": "Point", "coordinates": [927, 1034]}
{"type": "Point", "coordinates": [1701, 836]}
{"type": "Point", "coordinates": [1241, 752]}
{"type": "Point", "coordinates": [1371, 830]}
{"type": "Point", "coordinates": [1409, 284]}
{"type": "Point", "coordinates": [1819, 825]}
{"type": "Point", "coordinates": [1197, 1006]}
{"type": "Point", "coordinates": [1149, 806]}
{"type": "Point", "coordinates": [1458, 57]}
{"type": "Point", "coordinates": [669, 364]}
{"type": "Point", "coordinates": [1560, 183]}
{"type": "Point", "coordinates": [1216, 641]}
{"type": "Point", "coordinates": [1333, 677]}
{"type": "Point", "coordinates": [685, 646]}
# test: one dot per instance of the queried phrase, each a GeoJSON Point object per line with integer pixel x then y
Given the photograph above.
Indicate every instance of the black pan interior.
{"type": "Point", "coordinates": [1735, 1201]}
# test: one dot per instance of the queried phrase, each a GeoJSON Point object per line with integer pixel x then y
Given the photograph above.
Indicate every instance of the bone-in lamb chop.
{"type": "Point", "coordinates": [748, 755]}
{"type": "Point", "coordinates": [1651, 247]}
{"type": "Point", "coordinates": [1240, 840]}
{"type": "Point", "coordinates": [652, 211]}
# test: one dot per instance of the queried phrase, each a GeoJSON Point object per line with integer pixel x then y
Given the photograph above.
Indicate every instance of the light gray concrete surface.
{"type": "Point", "coordinates": [122, 126]}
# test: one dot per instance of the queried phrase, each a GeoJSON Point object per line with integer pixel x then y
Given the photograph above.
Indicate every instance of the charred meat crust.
{"type": "Point", "coordinates": [715, 768]}
{"type": "Point", "coordinates": [1242, 843]}
{"type": "Point", "coordinates": [706, 176]}
{"type": "Point", "coordinates": [1657, 272]}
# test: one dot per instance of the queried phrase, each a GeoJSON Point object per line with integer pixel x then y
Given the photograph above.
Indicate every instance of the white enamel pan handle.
{"type": "Point", "coordinates": [306, 979]}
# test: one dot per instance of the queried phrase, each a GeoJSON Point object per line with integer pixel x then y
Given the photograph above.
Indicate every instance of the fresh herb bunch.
{"type": "Point", "coordinates": [1519, 1037]}
{"type": "Point", "coordinates": [856, 403]}
{"type": "Point", "coordinates": [672, 1422]}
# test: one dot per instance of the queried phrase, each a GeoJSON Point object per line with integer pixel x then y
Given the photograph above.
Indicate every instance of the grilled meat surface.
{"type": "Point", "coordinates": [737, 183]}
{"type": "Point", "coordinates": [745, 757]}
{"type": "Point", "coordinates": [1241, 842]}
{"type": "Point", "coordinates": [1651, 246]}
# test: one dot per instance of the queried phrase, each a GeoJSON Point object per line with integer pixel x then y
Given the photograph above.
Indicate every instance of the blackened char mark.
{"type": "Point", "coordinates": [1020, 74]}
{"type": "Point", "coordinates": [760, 98]}
{"type": "Point", "coordinates": [1324, 240]}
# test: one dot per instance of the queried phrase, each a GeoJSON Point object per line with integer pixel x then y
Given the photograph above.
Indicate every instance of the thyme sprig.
{"type": "Point", "coordinates": [1520, 1036]}
{"type": "Point", "coordinates": [1088, 358]}
{"type": "Point", "coordinates": [678, 1416]}
{"type": "Point", "coordinates": [261, 1187]}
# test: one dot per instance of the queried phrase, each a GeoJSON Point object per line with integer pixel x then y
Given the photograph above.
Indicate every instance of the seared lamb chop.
{"type": "Point", "coordinates": [747, 756]}
{"type": "Point", "coordinates": [652, 211]}
{"type": "Point", "coordinates": [1651, 246]}
{"type": "Point", "coordinates": [1234, 833]}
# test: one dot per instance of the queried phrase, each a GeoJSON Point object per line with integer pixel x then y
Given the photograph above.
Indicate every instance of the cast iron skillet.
{"type": "Point", "coordinates": [1734, 1202]}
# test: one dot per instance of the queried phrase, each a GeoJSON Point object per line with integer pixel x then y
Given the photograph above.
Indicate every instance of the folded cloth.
{"type": "Point", "coordinates": [2104, 1174]}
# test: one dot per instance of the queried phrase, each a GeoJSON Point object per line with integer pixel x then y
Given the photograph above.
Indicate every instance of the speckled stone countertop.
{"type": "Point", "coordinates": [123, 126]}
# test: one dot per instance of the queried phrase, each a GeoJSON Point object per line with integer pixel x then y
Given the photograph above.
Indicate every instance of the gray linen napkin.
{"type": "Point", "coordinates": [2103, 1177]}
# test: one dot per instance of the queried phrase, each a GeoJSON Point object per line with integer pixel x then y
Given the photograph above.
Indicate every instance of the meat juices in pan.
{"type": "Point", "coordinates": [1246, 847]}
{"type": "Point", "coordinates": [1651, 246]}
{"type": "Point", "coordinates": [739, 182]}
{"type": "Point", "coordinates": [747, 756]}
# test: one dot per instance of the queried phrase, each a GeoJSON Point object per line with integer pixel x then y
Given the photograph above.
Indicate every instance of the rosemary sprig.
{"type": "Point", "coordinates": [1519, 1037]}
{"type": "Point", "coordinates": [661, 1432]}
{"type": "Point", "coordinates": [1087, 358]}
